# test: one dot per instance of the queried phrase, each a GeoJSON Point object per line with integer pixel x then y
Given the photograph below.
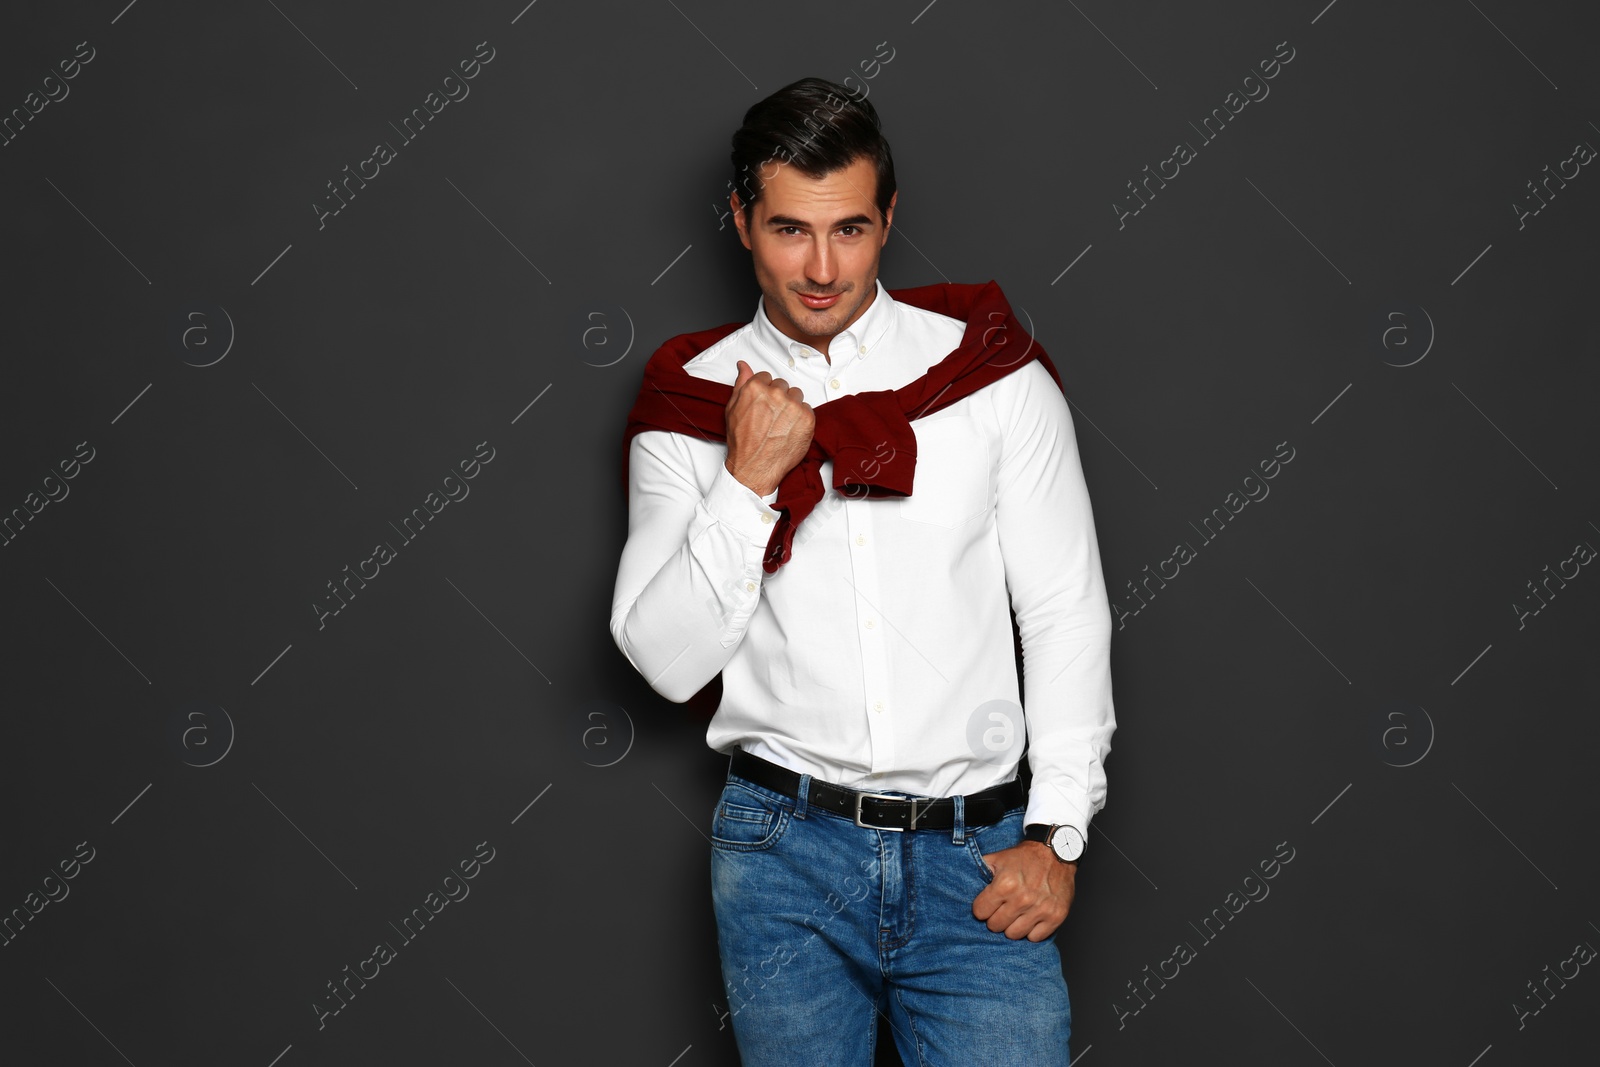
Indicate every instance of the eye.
{"type": "Point", "coordinates": [857, 229]}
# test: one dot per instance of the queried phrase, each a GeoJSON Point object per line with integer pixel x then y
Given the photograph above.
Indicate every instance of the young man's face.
{"type": "Point", "coordinates": [815, 244]}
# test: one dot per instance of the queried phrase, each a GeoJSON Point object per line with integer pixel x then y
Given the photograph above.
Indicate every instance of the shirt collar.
{"type": "Point", "coordinates": [859, 339]}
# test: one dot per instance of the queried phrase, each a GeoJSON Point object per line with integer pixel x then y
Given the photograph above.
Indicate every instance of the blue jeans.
{"type": "Point", "coordinates": [825, 927]}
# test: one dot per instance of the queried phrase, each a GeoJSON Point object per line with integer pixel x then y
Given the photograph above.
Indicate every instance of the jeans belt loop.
{"type": "Point", "coordinates": [802, 800]}
{"type": "Point", "coordinates": [959, 837]}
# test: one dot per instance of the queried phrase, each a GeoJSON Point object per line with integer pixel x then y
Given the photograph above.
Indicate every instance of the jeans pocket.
{"type": "Point", "coordinates": [976, 852]}
{"type": "Point", "coordinates": [996, 837]}
{"type": "Point", "coordinates": [747, 821]}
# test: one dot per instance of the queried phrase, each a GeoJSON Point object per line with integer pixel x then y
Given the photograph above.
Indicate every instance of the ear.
{"type": "Point", "coordinates": [888, 215]}
{"type": "Point", "coordinates": [738, 218]}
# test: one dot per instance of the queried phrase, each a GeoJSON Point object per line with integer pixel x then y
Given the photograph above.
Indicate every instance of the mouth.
{"type": "Point", "coordinates": [817, 303]}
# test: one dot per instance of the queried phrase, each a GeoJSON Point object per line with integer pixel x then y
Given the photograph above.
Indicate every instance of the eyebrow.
{"type": "Point", "coordinates": [790, 220]}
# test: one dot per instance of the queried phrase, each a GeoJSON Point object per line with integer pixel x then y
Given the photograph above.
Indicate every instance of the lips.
{"type": "Point", "coordinates": [817, 303]}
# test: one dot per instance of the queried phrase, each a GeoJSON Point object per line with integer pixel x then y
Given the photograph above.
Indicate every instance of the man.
{"type": "Point", "coordinates": [869, 852]}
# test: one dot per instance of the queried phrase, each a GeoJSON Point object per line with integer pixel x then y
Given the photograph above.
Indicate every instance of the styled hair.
{"type": "Point", "coordinates": [816, 126]}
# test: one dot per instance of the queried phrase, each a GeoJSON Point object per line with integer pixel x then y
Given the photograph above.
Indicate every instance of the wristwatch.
{"type": "Point", "coordinates": [1064, 841]}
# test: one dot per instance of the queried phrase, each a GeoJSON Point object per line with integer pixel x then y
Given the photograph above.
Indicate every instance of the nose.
{"type": "Point", "coordinates": [822, 267]}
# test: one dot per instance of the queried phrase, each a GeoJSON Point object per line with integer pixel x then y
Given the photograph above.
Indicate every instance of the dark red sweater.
{"type": "Point", "coordinates": [850, 429]}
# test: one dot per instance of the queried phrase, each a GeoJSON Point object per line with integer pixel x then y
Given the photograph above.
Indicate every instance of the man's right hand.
{"type": "Point", "coordinates": [769, 428]}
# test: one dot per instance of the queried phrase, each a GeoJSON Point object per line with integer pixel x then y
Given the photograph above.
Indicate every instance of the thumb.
{"type": "Point", "coordinates": [745, 374]}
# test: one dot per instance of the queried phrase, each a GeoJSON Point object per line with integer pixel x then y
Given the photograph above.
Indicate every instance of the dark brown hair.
{"type": "Point", "coordinates": [816, 126]}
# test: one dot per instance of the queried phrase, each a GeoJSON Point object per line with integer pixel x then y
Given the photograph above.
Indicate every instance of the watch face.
{"type": "Point", "coordinates": [1067, 843]}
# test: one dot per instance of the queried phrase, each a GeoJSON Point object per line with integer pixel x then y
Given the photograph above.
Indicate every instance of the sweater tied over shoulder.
{"type": "Point", "coordinates": [851, 430]}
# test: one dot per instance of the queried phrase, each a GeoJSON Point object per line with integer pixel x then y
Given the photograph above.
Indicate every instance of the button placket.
{"type": "Point", "coordinates": [874, 650]}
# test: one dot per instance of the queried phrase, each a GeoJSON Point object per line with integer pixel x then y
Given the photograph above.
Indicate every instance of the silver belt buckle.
{"type": "Point", "coordinates": [882, 796]}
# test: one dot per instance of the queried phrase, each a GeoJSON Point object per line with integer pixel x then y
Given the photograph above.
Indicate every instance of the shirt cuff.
{"type": "Point", "coordinates": [736, 505]}
{"type": "Point", "coordinates": [1053, 811]}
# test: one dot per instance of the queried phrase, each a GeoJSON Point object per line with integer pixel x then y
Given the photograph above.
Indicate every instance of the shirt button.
{"type": "Point", "coordinates": [750, 587]}
{"type": "Point", "coordinates": [834, 383]}
{"type": "Point", "coordinates": [863, 350]}
{"type": "Point", "coordinates": [766, 517]}
{"type": "Point", "coordinates": [876, 775]}
{"type": "Point", "coordinates": [791, 361]}
{"type": "Point", "coordinates": [877, 705]}
{"type": "Point", "coordinates": [860, 540]}
{"type": "Point", "coordinates": [870, 624]}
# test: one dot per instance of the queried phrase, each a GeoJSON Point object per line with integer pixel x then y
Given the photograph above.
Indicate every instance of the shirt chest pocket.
{"type": "Point", "coordinates": [951, 483]}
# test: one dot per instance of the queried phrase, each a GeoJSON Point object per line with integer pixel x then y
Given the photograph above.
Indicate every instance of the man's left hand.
{"type": "Point", "coordinates": [1031, 892]}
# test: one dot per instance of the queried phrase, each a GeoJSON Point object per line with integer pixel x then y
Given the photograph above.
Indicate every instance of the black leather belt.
{"type": "Point", "coordinates": [876, 810]}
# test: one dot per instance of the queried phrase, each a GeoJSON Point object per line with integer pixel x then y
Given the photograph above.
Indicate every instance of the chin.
{"type": "Point", "coordinates": [826, 327]}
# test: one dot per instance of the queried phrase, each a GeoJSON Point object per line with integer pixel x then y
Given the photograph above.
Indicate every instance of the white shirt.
{"type": "Point", "coordinates": [880, 657]}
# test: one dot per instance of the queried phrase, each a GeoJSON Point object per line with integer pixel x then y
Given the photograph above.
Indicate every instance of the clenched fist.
{"type": "Point", "coordinates": [769, 427]}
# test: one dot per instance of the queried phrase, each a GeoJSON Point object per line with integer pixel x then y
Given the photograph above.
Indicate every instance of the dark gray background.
{"type": "Point", "coordinates": [1341, 670]}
